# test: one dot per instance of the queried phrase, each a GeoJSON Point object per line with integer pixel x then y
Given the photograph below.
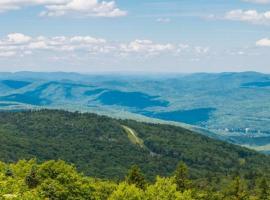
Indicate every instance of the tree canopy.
{"type": "Point", "coordinates": [57, 180]}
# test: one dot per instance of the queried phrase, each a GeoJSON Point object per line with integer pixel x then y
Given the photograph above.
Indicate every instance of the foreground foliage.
{"type": "Point", "coordinates": [56, 180]}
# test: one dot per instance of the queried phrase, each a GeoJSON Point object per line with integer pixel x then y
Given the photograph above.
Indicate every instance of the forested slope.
{"type": "Point", "coordinates": [99, 146]}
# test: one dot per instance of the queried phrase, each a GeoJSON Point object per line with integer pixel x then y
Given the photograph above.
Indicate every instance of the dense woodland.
{"type": "Point", "coordinates": [100, 147]}
{"type": "Point", "coordinates": [104, 153]}
{"type": "Point", "coordinates": [56, 180]}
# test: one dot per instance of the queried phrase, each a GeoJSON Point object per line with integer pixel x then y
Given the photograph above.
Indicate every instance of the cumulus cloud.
{"type": "Point", "coordinates": [15, 44]}
{"type": "Point", "coordinates": [93, 8]}
{"type": "Point", "coordinates": [251, 16]}
{"type": "Point", "coordinates": [145, 46]}
{"type": "Point", "coordinates": [18, 43]}
{"type": "Point", "coordinates": [18, 38]}
{"type": "Point", "coordinates": [265, 42]}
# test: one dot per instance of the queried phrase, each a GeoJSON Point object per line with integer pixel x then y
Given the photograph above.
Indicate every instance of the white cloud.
{"type": "Point", "coordinates": [251, 16]}
{"type": "Point", "coordinates": [38, 45]}
{"type": "Point", "coordinates": [193, 50]}
{"type": "Point", "coordinates": [87, 39]}
{"type": "Point", "coordinates": [18, 38]}
{"type": "Point", "coordinates": [94, 8]}
{"type": "Point", "coordinates": [163, 20]}
{"type": "Point", "coordinates": [258, 1]}
{"type": "Point", "coordinates": [17, 44]}
{"type": "Point", "coordinates": [265, 42]}
{"type": "Point", "coordinates": [145, 46]}
{"type": "Point", "coordinates": [23, 44]}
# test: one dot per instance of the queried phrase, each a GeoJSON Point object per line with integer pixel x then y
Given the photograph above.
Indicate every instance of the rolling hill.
{"type": "Point", "coordinates": [237, 112]}
{"type": "Point", "coordinates": [106, 148]}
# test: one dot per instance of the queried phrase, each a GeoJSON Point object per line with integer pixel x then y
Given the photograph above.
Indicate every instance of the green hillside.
{"type": "Point", "coordinates": [237, 112]}
{"type": "Point", "coordinates": [102, 147]}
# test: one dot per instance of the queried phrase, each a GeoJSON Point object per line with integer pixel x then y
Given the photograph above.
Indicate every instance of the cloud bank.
{"type": "Point", "coordinates": [18, 44]}
{"type": "Point", "coordinates": [251, 16]}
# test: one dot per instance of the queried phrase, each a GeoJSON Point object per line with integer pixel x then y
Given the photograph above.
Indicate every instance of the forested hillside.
{"type": "Point", "coordinates": [237, 112]}
{"type": "Point", "coordinates": [103, 147]}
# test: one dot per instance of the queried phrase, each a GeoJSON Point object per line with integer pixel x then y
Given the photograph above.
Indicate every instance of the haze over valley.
{"type": "Point", "coordinates": [134, 100]}
{"type": "Point", "coordinates": [233, 106]}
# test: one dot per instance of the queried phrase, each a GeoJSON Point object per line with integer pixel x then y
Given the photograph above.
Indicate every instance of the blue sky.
{"type": "Point", "coordinates": [135, 35]}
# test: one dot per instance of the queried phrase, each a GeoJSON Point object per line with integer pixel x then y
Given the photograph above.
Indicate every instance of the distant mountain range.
{"type": "Point", "coordinates": [230, 106]}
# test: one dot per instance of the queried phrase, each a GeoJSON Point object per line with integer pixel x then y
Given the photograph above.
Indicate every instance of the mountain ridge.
{"type": "Point", "coordinates": [99, 145]}
{"type": "Point", "coordinates": [235, 112]}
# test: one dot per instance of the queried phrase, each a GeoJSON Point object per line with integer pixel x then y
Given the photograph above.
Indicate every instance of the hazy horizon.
{"type": "Point", "coordinates": [113, 73]}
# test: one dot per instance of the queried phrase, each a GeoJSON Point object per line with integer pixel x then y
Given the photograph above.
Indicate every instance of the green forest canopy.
{"type": "Point", "coordinates": [56, 180]}
{"type": "Point", "coordinates": [99, 146]}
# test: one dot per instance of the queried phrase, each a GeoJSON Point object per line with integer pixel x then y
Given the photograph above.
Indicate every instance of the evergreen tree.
{"type": "Point", "coordinates": [136, 177]}
{"type": "Point", "coordinates": [31, 179]}
{"type": "Point", "coordinates": [236, 190]}
{"type": "Point", "coordinates": [263, 189]}
{"type": "Point", "coordinates": [181, 177]}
